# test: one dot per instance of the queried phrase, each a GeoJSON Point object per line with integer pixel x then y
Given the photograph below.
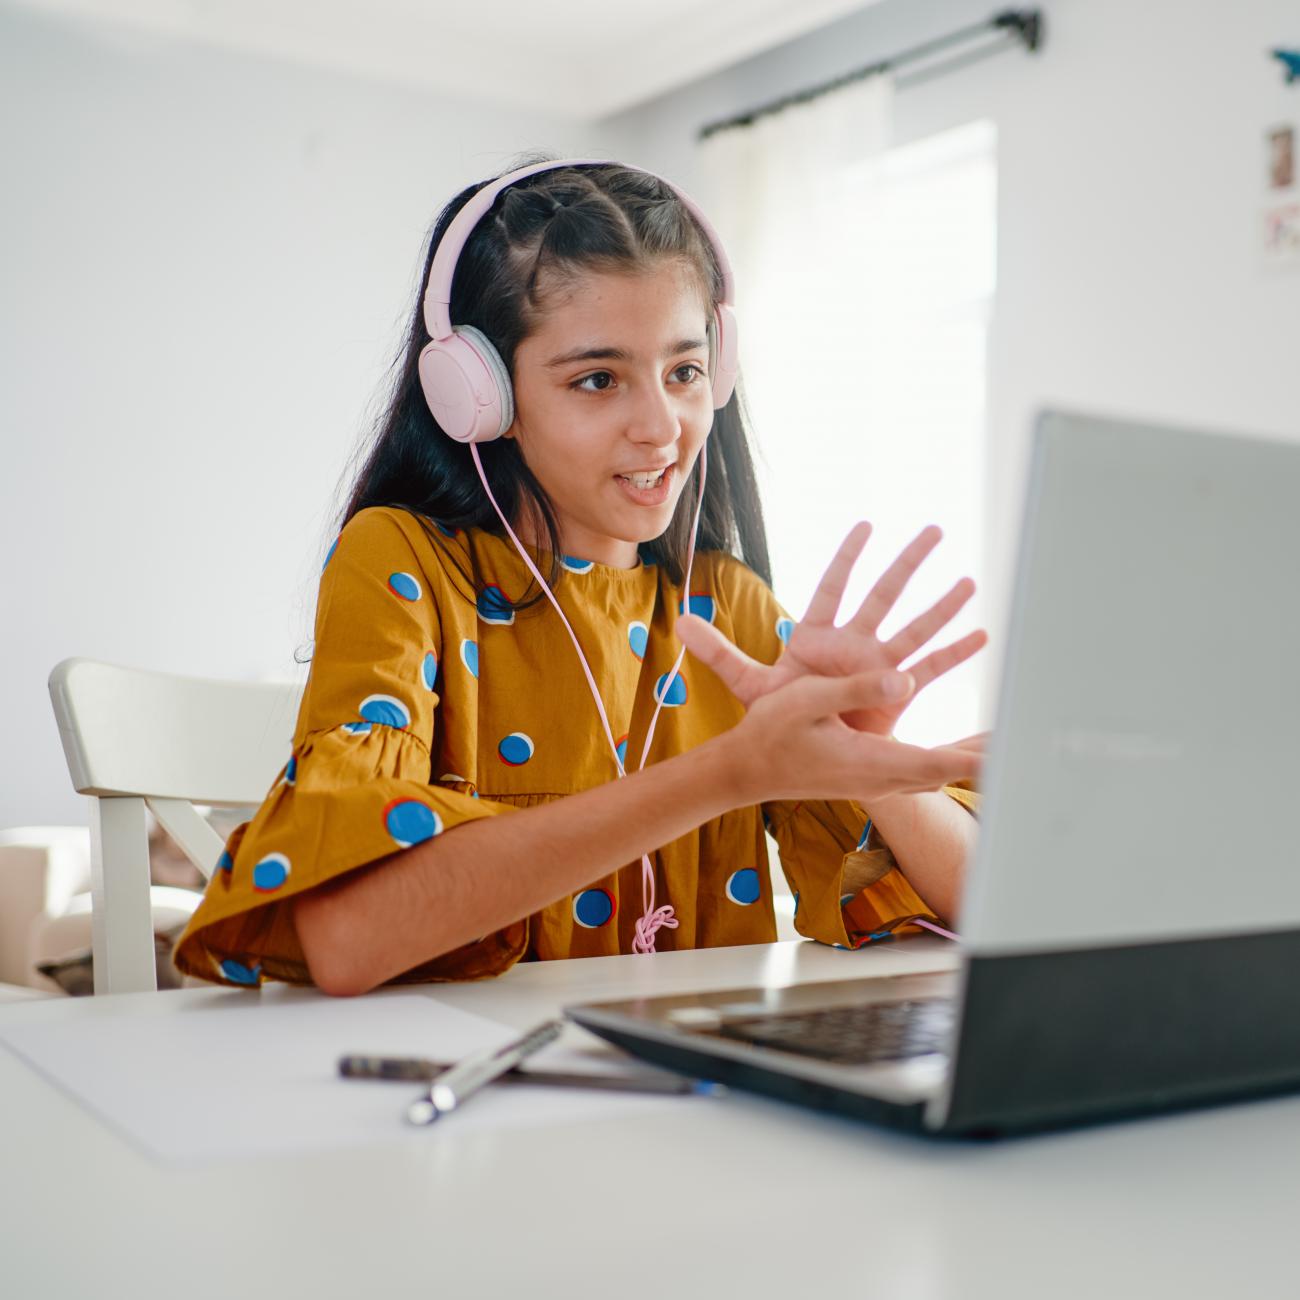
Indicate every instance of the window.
{"type": "Point", "coordinates": [865, 372]}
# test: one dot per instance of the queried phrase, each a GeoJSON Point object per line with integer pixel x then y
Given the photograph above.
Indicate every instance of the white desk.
{"type": "Point", "coordinates": [743, 1197]}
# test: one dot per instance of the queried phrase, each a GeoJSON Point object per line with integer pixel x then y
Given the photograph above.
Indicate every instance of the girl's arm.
{"type": "Point", "coordinates": [932, 838]}
{"type": "Point", "coordinates": [414, 905]}
{"type": "Point", "coordinates": [418, 903]}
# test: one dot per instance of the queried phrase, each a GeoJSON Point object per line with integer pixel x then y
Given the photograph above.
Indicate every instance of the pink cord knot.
{"type": "Point", "coordinates": [649, 925]}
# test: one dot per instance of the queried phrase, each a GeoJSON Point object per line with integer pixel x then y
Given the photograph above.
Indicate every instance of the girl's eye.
{"type": "Point", "coordinates": [579, 384]}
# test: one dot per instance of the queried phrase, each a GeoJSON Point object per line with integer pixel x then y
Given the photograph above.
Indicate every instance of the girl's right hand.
{"type": "Point", "coordinates": [817, 646]}
{"type": "Point", "coordinates": [793, 744]}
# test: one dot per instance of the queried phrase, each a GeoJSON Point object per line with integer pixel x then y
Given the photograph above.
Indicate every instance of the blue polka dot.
{"type": "Point", "coordinates": [291, 771]}
{"type": "Point", "coordinates": [676, 694]}
{"type": "Point", "coordinates": [516, 749]}
{"type": "Point", "coordinates": [444, 530]}
{"type": "Point", "coordinates": [593, 908]}
{"type": "Point", "coordinates": [846, 899]}
{"type": "Point", "coordinates": [225, 862]}
{"type": "Point", "coordinates": [404, 585]}
{"type": "Point", "coordinates": [357, 728]}
{"type": "Point", "coordinates": [784, 628]}
{"type": "Point", "coordinates": [742, 886]}
{"type": "Point", "coordinates": [271, 872]}
{"type": "Point", "coordinates": [638, 635]}
{"type": "Point", "coordinates": [621, 746]}
{"type": "Point", "coordinates": [386, 710]}
{"type": "Point", "coordinates": [329, 555]}
{"type": "Point", "coordinates": [469, 656]}
{"type": "Point", "coordinates": [238, 973]}
{"type": "Point", "coordinates": [575, 565]}
{"type": "Point", "coordinates": [866, 830]}
{"type": "Point", "coordinates": [409, 821]}
{"type": "Point", "coordinates": [429, 670]}
{"type": "Point", "coordinates": [493, 607]}
{"type": "Point", "coordinates": [701, 604]}
{"type": "Point", "coordinates": [796, 903]}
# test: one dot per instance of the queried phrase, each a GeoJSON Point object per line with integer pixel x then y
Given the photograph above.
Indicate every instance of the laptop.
{"type": "Point", "coordinates": [1130, 927]}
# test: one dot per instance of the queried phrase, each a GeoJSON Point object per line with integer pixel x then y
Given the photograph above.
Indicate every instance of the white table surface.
{"type": "Point", "coordinates": [741, 1196]}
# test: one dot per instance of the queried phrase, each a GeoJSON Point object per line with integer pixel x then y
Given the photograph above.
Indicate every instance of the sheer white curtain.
{"type": "Point", "coordinates": [864, 285]}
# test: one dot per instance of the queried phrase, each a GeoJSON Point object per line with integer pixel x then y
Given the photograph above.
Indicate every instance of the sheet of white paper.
{"type": "Point", "coordinates": [222, 1079]}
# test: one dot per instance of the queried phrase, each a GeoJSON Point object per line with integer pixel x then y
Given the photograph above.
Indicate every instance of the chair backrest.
{"type": "Point", "coordinates": [133, 739]}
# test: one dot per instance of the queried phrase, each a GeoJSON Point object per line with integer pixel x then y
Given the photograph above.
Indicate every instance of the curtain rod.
{"type": "Point", "coordinates": [1023, 25]}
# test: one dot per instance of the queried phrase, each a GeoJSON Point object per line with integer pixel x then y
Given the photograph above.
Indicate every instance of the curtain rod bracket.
{"type": "Point", "coordinates": [1026, 23]}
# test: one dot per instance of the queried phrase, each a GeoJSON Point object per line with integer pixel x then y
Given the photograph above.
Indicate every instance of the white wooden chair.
{"type": "Point", "coordinates": [135, 739]}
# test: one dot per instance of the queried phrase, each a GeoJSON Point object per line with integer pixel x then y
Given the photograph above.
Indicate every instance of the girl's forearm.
{"type": "Point", "coordinates": [414, 905]}
{"type": "Point", "coordinates": [931, 836]}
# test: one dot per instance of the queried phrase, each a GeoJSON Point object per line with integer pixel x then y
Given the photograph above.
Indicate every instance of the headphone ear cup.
{"type": "Point", "coordinates": [723, 365]}
{"type": "Point", "coordinates": [467, 386]}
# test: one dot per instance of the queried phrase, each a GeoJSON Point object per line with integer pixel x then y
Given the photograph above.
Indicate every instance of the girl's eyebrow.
{"type": "Point", "coordinates": [617, 354]}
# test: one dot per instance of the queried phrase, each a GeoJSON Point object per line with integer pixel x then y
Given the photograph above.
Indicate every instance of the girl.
{"type": "Point", "coordinates": [453, 800]}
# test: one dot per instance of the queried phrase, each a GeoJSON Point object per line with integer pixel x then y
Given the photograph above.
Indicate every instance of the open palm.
{"type": "Point", "coordinates": [818, 647]}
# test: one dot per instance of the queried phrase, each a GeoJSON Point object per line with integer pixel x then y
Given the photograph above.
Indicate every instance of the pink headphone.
{"type": "Point", "coordinates": [465, 381]}
{"type": "Point", "coordinates": [467, 387]}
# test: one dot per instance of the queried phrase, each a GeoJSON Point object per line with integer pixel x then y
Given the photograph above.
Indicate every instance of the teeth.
{"type": "Point", "coordinates": [644, 480]}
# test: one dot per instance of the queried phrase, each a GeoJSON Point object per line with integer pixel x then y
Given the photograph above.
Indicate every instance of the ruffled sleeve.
{"type": "Point", "coordinates": [847, 885]}
{"type": "Point", "coordinates": [356, 786]}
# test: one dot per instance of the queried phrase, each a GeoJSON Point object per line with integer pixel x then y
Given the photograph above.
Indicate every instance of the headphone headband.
{"type": "Point", "coordinates": [437, 294]}
{"type": "Point", "coordinates": [466, 382]}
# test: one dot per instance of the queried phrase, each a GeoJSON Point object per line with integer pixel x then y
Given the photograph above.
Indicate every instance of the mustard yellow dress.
{"type": "Point", "coordinates": [425, 708]}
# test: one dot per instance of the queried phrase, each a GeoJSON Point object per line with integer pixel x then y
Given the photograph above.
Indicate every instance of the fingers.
{"type": "Point", "coordinates": [708, 645]}
{"type": "Point", "coordinates": [825, 603]}
{"type": "Point", "coordinates": [921, 629]}
{"type": "Point", "coordinates": [914, 769]}
{"type": "Point", "coordinates": [976, 743]}
{"type": "Point", "coordinates": [878, 689]}
{"type": "Point", "coordinates": [882, 597]}
{"type": "Point", "coordinates": [945, 660]}
{"type": "Point", "coordinates": [732, 665]}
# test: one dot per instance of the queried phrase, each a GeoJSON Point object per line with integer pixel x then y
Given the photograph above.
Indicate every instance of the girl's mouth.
{"type": "Point", "coordinates": [647, 489]}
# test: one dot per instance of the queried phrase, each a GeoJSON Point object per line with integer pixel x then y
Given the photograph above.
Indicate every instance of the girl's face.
{"type": "Point", "coordinates": [614, 383]}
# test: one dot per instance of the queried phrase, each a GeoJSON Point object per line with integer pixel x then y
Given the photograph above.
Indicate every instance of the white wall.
{"type": "Point", "coordinates": [1131, 176]}
{"type": "Point", "coordinates": [207, 263]}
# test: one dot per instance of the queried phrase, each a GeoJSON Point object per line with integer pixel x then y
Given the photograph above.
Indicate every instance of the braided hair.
{"type": "Point", "coordinates": [540, 235]}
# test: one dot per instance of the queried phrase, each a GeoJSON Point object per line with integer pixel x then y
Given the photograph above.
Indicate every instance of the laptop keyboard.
{"type": "Point", "coordinates": [855, 1035]}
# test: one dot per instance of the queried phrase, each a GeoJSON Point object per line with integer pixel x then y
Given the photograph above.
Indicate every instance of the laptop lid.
{"type": "Point", "coordinates": [1132, 915]}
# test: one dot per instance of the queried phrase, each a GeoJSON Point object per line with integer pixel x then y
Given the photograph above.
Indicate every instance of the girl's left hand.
{"type": "Point", "coordinates": [817, 646]}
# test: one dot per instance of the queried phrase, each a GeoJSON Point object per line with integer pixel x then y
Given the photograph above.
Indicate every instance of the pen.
{"type": "Point", "coordinates": [454, 1087]}
{"type": "Point", "coordinates": [414, 1069]}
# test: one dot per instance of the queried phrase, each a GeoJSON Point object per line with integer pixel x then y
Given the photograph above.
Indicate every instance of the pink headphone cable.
{"type": "Point", "coordinates": [938, 929]}
{"type": "Point", "coordinates": [652, 919]}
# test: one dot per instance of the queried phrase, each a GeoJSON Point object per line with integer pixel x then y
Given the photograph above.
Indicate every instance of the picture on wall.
{"type": "Point", "coordinates": [1281, 211]}
{"type": "Point", "coordinates": [1281, 158]}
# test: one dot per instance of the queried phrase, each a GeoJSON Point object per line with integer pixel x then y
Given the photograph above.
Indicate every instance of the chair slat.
{"type": "Point", "coordinates": [198, 841]}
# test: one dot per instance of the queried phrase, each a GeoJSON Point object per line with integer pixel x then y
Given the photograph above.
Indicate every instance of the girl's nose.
{"type": "Point", "coordinates": [655, 419]}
